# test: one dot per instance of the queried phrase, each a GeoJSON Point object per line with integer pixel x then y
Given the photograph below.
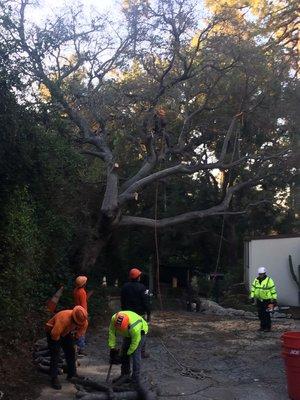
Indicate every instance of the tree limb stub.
{"type": "Point", "coordinates": [110, 201]}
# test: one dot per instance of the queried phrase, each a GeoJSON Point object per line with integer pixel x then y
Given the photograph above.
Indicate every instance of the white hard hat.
{"type": "Point", "coordinates": [262, 270]}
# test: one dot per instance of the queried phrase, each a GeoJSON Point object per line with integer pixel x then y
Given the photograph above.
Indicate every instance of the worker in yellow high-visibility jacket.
{"type": "Point", "coordinates": [263, 290]}
{"type": "Point", "coordinates": [133, 328]}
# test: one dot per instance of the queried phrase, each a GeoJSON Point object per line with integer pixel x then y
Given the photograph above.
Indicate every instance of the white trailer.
{"type": "Point", "coordinates": [273, 253]}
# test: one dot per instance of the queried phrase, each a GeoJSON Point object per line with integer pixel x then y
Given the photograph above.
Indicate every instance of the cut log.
{"type": "Point", "coordinates": [107, 392]}
{"type": "Point", "coordinates": [81, 393]}
{"type": "Point", "coordinates": [47, 363]}
{"type": "Point", "coordinates": [83, 389]}
{"type": "Point", "coordinates": [86, 382]}
{"type": "Point", "coordinates": [44, 360]}
{"type": "Point", "coordinates": [132, 395]}
{"type": "Point", "coordinates": [41, 342]}
{"type": "Point", "coordinates": [39, 358]}
{"type": "Point", "coordinates": [44, 353]}
{"type": "Point", "coordinates": [41, 348]}
{"type": "Point", "coordinates": [101, 387]}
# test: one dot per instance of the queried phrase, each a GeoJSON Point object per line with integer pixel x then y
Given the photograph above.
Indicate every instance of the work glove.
{"type": "Point", "coordinates": [270, 307]}
{"type": "Point", "coordinates": [114, 357]}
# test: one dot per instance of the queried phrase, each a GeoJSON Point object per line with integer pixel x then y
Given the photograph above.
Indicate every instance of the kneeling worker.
{"type": "Point", "coordinates": [60, 330]}
{"type": "Point", "coordinates": [133, 328]}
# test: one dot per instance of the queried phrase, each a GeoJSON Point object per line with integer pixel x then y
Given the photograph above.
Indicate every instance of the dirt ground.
{"type": "Point", "coordinates": [18, 377]}
{"type": "Point", "coordinates": [196, 356]}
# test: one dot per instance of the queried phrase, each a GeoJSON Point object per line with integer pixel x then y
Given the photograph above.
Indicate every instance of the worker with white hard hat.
{"type": "Point", "coordinates": [263, 291]}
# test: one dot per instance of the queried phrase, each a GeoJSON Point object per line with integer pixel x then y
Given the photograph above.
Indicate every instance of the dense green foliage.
{"type": "Point", "coordinates": [39, 179]}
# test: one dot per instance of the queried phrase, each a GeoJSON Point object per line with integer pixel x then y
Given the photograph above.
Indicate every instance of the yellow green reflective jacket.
{"type": "Point", "coordinates": [137, 324]}
{"type": "Point", "coordinates": [264, 290]}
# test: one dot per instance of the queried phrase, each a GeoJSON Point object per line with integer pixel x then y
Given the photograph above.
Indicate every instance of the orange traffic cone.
{"type": "Point", "coordinates": [52, 303]}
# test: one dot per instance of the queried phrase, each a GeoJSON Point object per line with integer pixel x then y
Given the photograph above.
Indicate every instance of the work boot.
{"type": "Point", "coordinates": [55, 383]}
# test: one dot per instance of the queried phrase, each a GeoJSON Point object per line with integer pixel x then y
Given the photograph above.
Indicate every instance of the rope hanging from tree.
{"type": "Point", "coordinates": [236, 141]}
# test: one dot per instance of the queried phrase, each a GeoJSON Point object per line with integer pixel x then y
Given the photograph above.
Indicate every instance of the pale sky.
{"type": "Point", "coordinates": [48, 7]}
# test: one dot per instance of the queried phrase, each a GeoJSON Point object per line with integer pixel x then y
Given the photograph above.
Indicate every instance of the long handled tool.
{"type": "Point", "coordinates": [108, 373]}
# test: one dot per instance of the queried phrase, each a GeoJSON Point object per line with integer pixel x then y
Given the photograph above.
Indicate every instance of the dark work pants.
{"type": "Point", "coordinates": [144, 342]}
{"type": "Point", "coordinates": [67, 344]}
{"type": "Point", "coordinates": [136, 359]}
{"type": "Point", "coordinates": [80, 342]}
{"type": "Point", "coordinates": [263, 315]}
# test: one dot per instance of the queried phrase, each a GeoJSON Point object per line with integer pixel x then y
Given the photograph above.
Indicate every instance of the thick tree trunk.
{"type": "Point", "coordinates": [96, 244]}
{"type": "Point", "coordinates": [232, 238]}
{"type": "Point", "coordinates": [91, 253]}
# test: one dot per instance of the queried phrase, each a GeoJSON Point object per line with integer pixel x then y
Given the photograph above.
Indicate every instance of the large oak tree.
{"type": "Point", "coordinates": [162, 93]}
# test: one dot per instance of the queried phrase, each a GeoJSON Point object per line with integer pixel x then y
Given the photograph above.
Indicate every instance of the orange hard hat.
{"type": "Point", "coordinates": [121, 321]}
{"type": "Point", "coordinates": [80, 281]}
{"type": "Point", "coordinates": [134, 273]}
{"type": "Point", "coordinates": [79, 315]}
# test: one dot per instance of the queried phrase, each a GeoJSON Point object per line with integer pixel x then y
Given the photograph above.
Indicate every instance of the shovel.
{"type": "Point", "coordinates": [108, 373]}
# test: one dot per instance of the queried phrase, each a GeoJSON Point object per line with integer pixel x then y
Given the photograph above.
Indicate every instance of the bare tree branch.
{"type": "Point", "coordinates": [220, 209]}
{"type": "Point", "coordinates": [177, 169]}
{"type": "Point", "coordinates": [129, 193]}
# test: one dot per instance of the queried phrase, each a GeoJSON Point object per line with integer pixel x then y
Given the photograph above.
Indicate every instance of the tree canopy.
{"type": "Point", "coordinates": [195, 107]}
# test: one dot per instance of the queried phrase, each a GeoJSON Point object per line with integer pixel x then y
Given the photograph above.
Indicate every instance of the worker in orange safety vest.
{"type": "Point", "coordinates": [61, 330]}
{"type": "Point", "coordinates": [81, 299]}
